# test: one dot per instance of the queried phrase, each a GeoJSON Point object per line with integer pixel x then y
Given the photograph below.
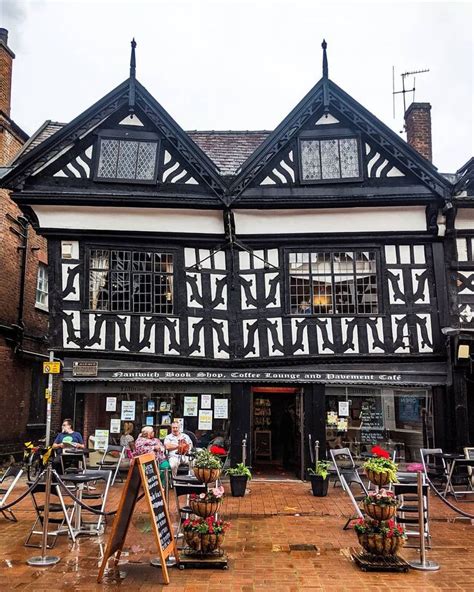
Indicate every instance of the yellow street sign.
{"type": "Point", "coordinates": [51, 367]}
{"type": "Point", "coordinates": [47, 393]}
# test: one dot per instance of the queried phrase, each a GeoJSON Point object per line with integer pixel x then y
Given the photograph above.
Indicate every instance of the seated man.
{"type": "Point", "coordinates": [67, 439]}
{"type": "Point", "coordinates": [177, 444]}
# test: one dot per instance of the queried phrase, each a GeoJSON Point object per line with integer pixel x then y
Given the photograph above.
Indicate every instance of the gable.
{"type": "Point", "coordinates": [108, 145]}
{"type": "Point", "coordinates": [329, 138]}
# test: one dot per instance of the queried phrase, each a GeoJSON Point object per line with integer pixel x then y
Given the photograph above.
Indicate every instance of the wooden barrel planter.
{"type": "Point", "coordinates": [380, 512]}
{"type": "Point", "coordinates": [203, 508]}
{"type": "Point", "coordinates": [378, 544]}
{"type": "Point", "coordinates": [379, 479]}
{"type": "Point", "coordinates": [206, 475]}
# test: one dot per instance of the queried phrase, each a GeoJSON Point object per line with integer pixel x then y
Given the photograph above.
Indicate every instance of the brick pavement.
{"type": "Point", "coordinates": [264, 525]}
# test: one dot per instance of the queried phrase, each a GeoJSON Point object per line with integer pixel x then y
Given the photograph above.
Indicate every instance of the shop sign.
{"type": "Point", "coordinates": [85, 368]}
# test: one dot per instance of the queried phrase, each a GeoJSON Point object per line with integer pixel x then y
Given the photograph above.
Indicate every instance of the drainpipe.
{"type": "Point", "coordinates": [22, 232]}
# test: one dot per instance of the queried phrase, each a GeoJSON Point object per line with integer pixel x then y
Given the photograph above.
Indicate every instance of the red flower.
{"type": "Point", "coordinates": [378, 451]}
{"type": "Point", "coordinates": [217, 450]}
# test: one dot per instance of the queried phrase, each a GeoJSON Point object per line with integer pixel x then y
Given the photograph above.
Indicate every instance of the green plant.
{"type": "Point", "coordinates": [382, 497]}
{"type": "Point", "coordinates": [206, 526]}
{"type": "Point", "coordinates": [382, 463]}
{"type": "Point", "coordinates": [240, 471]}
{"type": "Point", "coordinates": [386, 528]}
{"type": "Point", "coordinates": [321, 469]}
{"type": "Point", "coordinates": [206, 460]}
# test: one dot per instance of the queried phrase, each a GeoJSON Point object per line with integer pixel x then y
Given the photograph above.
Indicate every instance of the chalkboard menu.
{"type": "Point", "coordinates": [143, 473]}
{"type": "Point", "coordinates": [371, 427]}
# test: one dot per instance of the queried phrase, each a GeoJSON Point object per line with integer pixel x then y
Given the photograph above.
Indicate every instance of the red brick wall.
{"type": "Point", "coordinates": [418, 127]}
{"type": "Point", "coordinates": [5, 78]}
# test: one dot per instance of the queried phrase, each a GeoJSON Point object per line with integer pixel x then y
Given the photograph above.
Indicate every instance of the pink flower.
{"type": "Point", "coordinates": [202, 495]}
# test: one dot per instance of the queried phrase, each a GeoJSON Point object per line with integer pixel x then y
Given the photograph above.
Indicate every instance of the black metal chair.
{"type": "Point", "coordinates": [14, 473]}
{"type": "Point", "coordinates": [408, 511]}
{"type": "Point", "coordinates": [184, 490]}
{"type": "Point", "coordinates": [117, 453]}
{"type": "Point", "coordinates": [347, 474]}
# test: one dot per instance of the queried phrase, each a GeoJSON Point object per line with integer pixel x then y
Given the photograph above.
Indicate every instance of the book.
{"type": "Point", "coordinates": [166, 419]}
{"type": "Point", "coordinates": [150, 406]}
{"type": "Point", "coordinates": [165, 406]}
{"type": "Point", "coordinates": [149, 420]}
{"type": "Point", "coordinates": [163, 433]}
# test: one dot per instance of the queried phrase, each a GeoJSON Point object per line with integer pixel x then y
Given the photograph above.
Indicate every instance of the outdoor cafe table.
{"type": "Point", "coordinates": [80, 479]}
{"type": "Point", "coordinates": [459, 461]}
{"type": "Point", "coordinates": [449, 458]}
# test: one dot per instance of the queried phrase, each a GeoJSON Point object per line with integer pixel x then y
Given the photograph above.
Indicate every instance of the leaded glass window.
{"type": "Point", "coordinates": [127, 160]}
{"type": "Point", "coordinates": [333, 282]}
{"type": "Point", "coordinates": [329, 159]}
{"type": "Point", "coordinates": [131, 281]}
{"type": "Point", "coordinates": [42, 287]}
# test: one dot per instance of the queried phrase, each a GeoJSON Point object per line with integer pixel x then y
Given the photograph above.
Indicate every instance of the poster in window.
{"type": "Point", "coordinates": [101, 439]}
{"type": "Point", "coordinates": [128, 411]}
{"type": "Point", "coordinates": [115, 426]}
{"type": "Point", "coordinates": [205, 419]}
{"type": "Point", "coordinates": [111, 404]}
{"type": "Point", "coordinates": [190, 407]}
{"type": "Point", "coordinates": [331, 418]}
{"type": "Point", "coordinates": [221, 409]}
{"type": "Point", "coordinates": [206, 401]}
{"type": "Point", "coordinates": [343, 408]}
{"type": "Point", "coordinates": [342, 424]}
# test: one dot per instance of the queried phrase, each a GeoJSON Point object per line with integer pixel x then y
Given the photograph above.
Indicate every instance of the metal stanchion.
{"type": "Point", "coordinates": [44, 560]}
{"type": "Point", "coordinates": [423, 563]}
{"type": "Point", "coordinates": [316, 453]}
{"type": "Point", "coordinates": [244, 450]}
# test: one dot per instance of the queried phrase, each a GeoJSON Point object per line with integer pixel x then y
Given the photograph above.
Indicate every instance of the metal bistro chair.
{"type": "Point", "coordinates": [118, 454]}
{"type": "Point", "coordinates": [407, 512]}
{"type": "Point", "coordinates": [99, 497]}
{"type": "Point", "coordinates": [184, 490]}
{"type": "Point", "coordinates": [13, 473]}
{"type": "Point", "coordinates": [347, 474]}
{"type": "Point", "coordinates": [434, 467]}
{"type": "Point", "coordinates": [58, 514]}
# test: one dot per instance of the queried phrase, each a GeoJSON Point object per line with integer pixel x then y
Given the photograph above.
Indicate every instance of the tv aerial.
{"type": "Point", "coordinates": [405, 90]}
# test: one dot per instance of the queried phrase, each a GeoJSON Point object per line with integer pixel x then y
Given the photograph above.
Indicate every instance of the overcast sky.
{"type": "Point", "coordinates": [244, 64]}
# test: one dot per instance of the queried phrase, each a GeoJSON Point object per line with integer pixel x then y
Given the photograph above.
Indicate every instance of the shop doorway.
{"type": "Point", "coordinates": [277, 433]}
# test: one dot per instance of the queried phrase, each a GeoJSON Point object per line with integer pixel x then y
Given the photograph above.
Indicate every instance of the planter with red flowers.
{"type": "Point", "coordinates": [380, 468]}
{"type": "Point", "coordinates": [208, 503]}
{"type": "Point", "coordinates": [205, 535]}
{"type": "Point", "coordinates": [380, 537]}
{"type": "Point", "coordinates": [381, 504]}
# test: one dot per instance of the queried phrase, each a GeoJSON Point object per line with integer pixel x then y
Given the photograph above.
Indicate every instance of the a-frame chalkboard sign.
{"type": "Point", "coordinates": [144, 473]}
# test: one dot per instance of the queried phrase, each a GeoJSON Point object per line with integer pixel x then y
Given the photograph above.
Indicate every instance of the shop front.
{"type": "Point", "coordinates": [274, 409]}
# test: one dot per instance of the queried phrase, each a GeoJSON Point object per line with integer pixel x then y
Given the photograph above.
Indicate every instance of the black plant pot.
{"type": "Point", "coordinates": [319, 485]}
{"type": "Point", "coordinates": [238, 485]}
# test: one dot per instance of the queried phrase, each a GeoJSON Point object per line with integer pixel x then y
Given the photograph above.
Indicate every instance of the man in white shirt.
{"type": "Point", "coordinates": [174, 441]}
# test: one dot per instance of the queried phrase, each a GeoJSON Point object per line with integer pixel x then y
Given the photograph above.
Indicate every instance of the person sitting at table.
{"type": "Point", "coordinates": [177, 444]}
{"type": "Point", "coordinates": [67, 439]}
{"type": "Point", "coordinates": [126, 438]}
{"type": "Point", "coordinates": [146, 443]}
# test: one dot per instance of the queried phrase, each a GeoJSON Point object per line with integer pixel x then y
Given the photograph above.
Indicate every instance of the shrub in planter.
{"type": "Point", "coordinates": [205, 534]}
{"type": "Point", "coordinates": [319, 478]}
{"type": "Point", "coordinates": [239, 475]}
{"type": "Point", "coordinates": [380, 505]}
{"type": "Point", "coordinates": [380, 537]}
{"type": "Point", "coordinates": [208, 503]}
{"type": "Point", "coordinates": [206, 466]}
{"type": "Point", "coordinates": [380, 469]}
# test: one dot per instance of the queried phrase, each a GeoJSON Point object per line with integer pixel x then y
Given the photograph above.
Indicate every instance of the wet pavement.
{"type": "Point", "coordinates": [282, 539]}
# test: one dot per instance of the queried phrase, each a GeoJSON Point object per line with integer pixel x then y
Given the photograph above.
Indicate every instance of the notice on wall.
{"type": "Point", "coordinates": [206, 401]}
{"type": "Point", "coordinates": [190, 407]}
{"type": "Point", "coordinates": [343, 408]}
{"type": "Point", "coordinates": [221, 409]}
{"type": "Point", "coordinates": [128, 411]}
{"type": "Point", "coordinates": [205, 419]}
{"type": "Point", "coordinates": [101, 439]}
{"type": "Point", "coordinates": [115, 426]}
{"type": "Point", "coordinates": [331, 419]}
{"type": "Point", "coordinates": [111, 404]}
{"type": "Point", "coordinates": [342, 424]}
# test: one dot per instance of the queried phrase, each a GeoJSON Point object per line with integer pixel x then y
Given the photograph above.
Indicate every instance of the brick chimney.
{"type": "Point", "coordinates": [6, 58]}
{"type": "Point", "coordinates": [418, 126]}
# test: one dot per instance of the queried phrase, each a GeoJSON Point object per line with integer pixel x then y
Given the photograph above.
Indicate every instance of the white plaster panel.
{"type": "Point", "coordinates": [419, 254]}
{"type": "Point", "coordinates": [200, 351]}
{"type": "Point", "coordinates": [246, 328]}
{"type": "Point", "coordinates": [72, 296]}
{"type": "Point", "coordinates": [193, 303]}
{"type": "Point", "coordinates": [461, 244]}
{"type": "Point", "coordinates": [277, 303]}
{"type": "Point", "coordinates": [215, 340]}
{"type": "Point", "coordinates": [401, 285]}
{"type": "Point", "coordinates": [326, 119]}
{"type": "Point", "coordinates": [390, 254]}
{"type": "Point", "coordinates": [167, 348]}
{"type": "Point", "coordinates": [424, 347]}
{"type": "Point", "coordinates": [383, 219]}
{"type": "Point", "coordinates": [151, 348]}
{"type": "Point", "coordinates": [180, 221]}
{"type": "Point", "coordinates": [100, 345]}
{"type": "Point", "coordinates": [272, 257]}
{"type": "Point", "coordinates": [204, 258]}
{"type": "Point", "coordinates": [214, 279]}
{"type": "Point", "coordinates": [258, 260]}
{"type": "Point", "coordinates": [304, 348]}
{"type": "Point", "coordinates": [355, 336]}
{"type": "Point", "coordinates": [406, 338]}
{"type": "Point", "coordinates": [373, 349]}
{"type": "Point", "coordinates": [253, 291]}
{"type": "Point", "coordinates": [70, 249]}
{"type": "Point", "coordinates": [219, 260]}
{"type": "Point", "coordinates": [464, 219]}
{"type": "Point", "coordinates": [271, 352]}
{"type": "Point", "coordinates": [244, 260]}
{"type": "Point", "coordinates": [76, 323]}
{"type": "Point", "coordinates": [319, 337]}
{"type": "Point", "coordinates": [425, 297]}
{"type": "Point", "coordinates": [405, 256]}
{"type": "Point", "coordinates": [189, 257]}
{"type": "Point", "coordinates": [117, 334]}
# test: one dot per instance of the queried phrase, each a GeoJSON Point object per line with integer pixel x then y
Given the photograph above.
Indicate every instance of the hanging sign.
{"type": "Point", "coordinates": [115, 426]}
{"type": "Point", "coordinates": [128, 411]}
{"type": "Point", "coordinates": [143, 473]}
{"type": "Point", "coordinates": [111, 404]}
{"type": "Point", "coordinates": [205, 419]}
{"type": "Point", "coordinates": [221, 409]}
{"type": "Point", "coordinates": [206, 401]}
{"type": "Point", "coordinates": [101, 439]}
{"type": "Point", "coordinates": [190, 407]}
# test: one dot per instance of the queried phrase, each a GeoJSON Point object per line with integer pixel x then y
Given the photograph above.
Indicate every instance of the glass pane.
{"type": "Point", "coordinates": [99, 259]}
{"type": "Point", "coordinates": [300, 295]}
{"type": "Point", "coordinates": [120, 260]}
{"type": "Point", "coordinates": [163, 294]}
{"type": "Point", "coordinates": [141, 296]}
{"type": "Point", "coordinates": [330, 159]}
{"type": "Point", "coordinates": [142, 261]}
{"type": "Point", "coordinates": [349, 158]}
{"type": "Point", "coordinates": [127, 161]}
{"type": "Point", "coordinates": [109, 150]}
{"type": "Point", "coordinates": [322, 295]}
{"type": "Point", "coordinates": [310, 160]}
{"type": "Point", "coordinates": [120, 291]}
{"type": "Point", "coordinates": [99, 290]}
{"type": "Point", "coordinates": [146, 161]}
{"type": "Point", "coordinates": [163, 262]}
{"type": "Point", "coordinates": [299, 263]}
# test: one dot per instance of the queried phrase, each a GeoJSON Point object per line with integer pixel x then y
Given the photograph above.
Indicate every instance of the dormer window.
{"type": "Point", "coordinates": [329, 159]}
{"type": "Point", "coordinates": [131, 158]}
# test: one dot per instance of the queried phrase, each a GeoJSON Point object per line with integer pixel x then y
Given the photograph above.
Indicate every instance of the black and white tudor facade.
{"type": "Point", "coordinates": [302, 265]}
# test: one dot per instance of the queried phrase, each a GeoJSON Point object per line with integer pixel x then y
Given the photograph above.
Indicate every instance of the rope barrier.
{"type": "Point", "coordinates": [449, 504]}
{"type": "Point", "coordinates": [23, 495]}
